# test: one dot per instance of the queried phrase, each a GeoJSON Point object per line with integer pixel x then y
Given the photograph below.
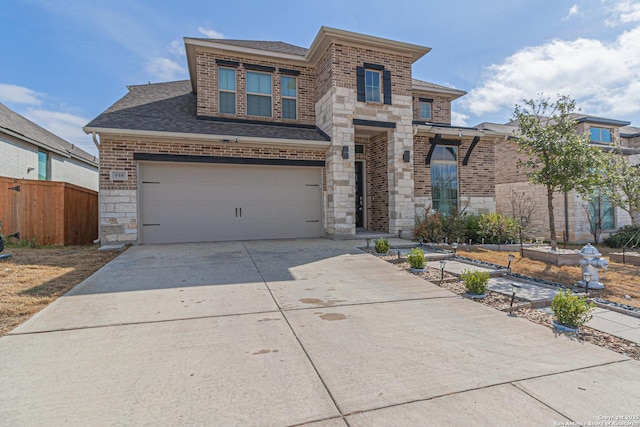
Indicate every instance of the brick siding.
{"type": "Point", "coordinates": [117, 154]}
{"type": "Point", "coordinates": [440, 108]}
{"type": "Point", "coordinates": [207, 75]}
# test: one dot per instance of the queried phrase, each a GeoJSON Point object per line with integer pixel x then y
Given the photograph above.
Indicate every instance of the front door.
{"type": "Point", "coordinates": [359, 194]}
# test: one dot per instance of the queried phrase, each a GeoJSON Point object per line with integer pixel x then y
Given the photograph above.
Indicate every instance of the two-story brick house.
{"type": "Point", "coordinates": [271, 140]}
{"type": "Point", "coordinates": [575, 217]}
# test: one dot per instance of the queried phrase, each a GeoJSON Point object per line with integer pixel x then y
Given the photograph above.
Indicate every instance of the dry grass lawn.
{"type": "Point", "coordinates": [33, 278]}
{"type": "Point", "coordinates": [619, 280]}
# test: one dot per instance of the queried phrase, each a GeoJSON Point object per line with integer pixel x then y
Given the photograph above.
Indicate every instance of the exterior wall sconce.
{"type": "Point", "coordinates": [406, 156]}
{"type": "Point", "coordinates": [345, 152]}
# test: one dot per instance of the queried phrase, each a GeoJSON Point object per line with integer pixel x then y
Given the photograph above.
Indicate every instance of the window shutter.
{"type": "Point", "coordinates": [386, 86]}
{"type": "Point", "coordinates": [360, 83]}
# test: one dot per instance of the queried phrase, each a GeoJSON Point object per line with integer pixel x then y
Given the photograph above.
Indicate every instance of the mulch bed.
{"type": "Point", "coordinates": [502, 302]}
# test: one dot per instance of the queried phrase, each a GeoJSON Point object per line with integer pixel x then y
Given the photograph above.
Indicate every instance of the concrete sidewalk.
{"type": "Point", "coordinates": [293, 332]}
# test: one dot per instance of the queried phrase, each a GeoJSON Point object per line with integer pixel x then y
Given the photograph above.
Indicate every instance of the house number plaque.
{"type": "Point", "coordinates": [118, 175]}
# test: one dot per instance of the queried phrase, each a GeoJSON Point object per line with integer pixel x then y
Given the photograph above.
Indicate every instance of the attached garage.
{"type": "Point", "coordinates": [199, 202]}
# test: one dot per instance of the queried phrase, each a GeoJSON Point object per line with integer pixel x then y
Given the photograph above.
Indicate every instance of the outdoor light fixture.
{"type": "Point", "coordinates": [368, 243]}
{"type": "Point", "coordinates": [442, 264]}
{"type": "Point", "coordinates": [454, 246]}
{"type": "Point", "coordinates": [511, 258]}
{"type": "Point", "coordinates": [345, 152]}
{"type": "Point", "coordinates": [514, 290]}
{"type": "Point", "coordinates": [587, 278]}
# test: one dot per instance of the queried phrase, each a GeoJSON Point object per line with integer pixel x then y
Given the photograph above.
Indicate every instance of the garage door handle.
{"type": "Point", "coordinates": [240, 212]}
{"type": "Point", "coordinates": [236, 212]}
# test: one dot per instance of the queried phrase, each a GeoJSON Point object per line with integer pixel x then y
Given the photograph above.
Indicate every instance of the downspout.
{"type": "Point", "coordinates": [94, 136]}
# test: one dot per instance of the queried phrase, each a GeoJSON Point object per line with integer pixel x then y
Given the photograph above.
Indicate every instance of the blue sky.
{"type": "Point", "coordinates": [66, 61]}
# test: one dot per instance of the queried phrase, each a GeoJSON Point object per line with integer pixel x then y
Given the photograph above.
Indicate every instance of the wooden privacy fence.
{"type": "Point", "coordinates": [50, 212]}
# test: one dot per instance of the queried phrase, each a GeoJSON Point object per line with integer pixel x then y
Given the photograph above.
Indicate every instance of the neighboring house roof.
{"type": "Point", "coordinates": [432, 87]}
{"type": "Point", "coordinates": [271, 46]}
{"type": "Point", "coordinates": [584, 118]}
{"type": "Point", "coordinates": [496, 127]}
{"type": "Point", "coordinates": [18, 126]}
{"type": "Point", "coordinates": [171, 107]}
{"type": "Point", "coordinates": [629, 132]}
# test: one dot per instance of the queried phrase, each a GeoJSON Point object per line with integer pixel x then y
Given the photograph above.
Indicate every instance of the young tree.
{"type": "Point", "coordinates": [622, 183]}
{"type": "Point", "coordinates": [558, 157]}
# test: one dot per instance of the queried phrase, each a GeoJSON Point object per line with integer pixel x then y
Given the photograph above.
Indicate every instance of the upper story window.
{"type": "Point", "coordinates": [425, 110]}
{"type": "Point", "coordinates": [372, 85]}
{"type": "Point", "coordinates": [289, 97]}
{"type": "Point", "coordinates": [600, 135]}
{"type": "Point", "coordinates": [259, 89]}
{"type": "Point", "coordinates": [227, 90]}
{"type": "Point", "coordinates": [44, 171]}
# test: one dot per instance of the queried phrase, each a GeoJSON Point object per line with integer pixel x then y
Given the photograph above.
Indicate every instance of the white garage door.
{"type": "Point", "coordinates": [190, 202]}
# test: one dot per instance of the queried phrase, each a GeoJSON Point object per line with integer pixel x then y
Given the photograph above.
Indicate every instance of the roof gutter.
{"type": "Point", "coordinates": [217, 138]}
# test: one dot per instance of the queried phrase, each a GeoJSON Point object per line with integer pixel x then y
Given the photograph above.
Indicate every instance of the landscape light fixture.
{"type": "Point", "coordinates": [442, 264]}
{"type": "Point", "coordinates": [511, 258]}
{"type": "Point", "coordinates": [514, 290]}
{"type": "Point", "coordinates": [454, 246]}
{"type": "Point", "coordinates": [368, 243]}
{"type": "Point", "coordinates": [587, 278]}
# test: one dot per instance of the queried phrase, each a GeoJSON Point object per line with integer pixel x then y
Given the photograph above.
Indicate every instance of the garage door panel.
{"type": "Point", "coordinates": [204, 202]}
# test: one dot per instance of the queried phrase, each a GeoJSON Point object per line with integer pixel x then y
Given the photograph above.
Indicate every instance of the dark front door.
{"type": "Point", "coordinates": [359, 194]}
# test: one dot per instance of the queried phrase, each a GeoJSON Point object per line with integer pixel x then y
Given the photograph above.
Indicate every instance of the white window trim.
{"type": "Point", "coordinates": [381, 84]}
{"type": "Point", "coordinates": [295, 98]}
{"type": "Point", "coordinates": [235, 92]}
{"type": "Point", "coordinates": [258, 94]}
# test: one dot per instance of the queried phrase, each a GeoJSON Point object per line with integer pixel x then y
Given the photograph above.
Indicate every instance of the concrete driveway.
{"type": "Point", "coordinates": [294, 332]}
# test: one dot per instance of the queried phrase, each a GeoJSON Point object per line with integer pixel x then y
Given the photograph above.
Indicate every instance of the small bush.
{"type": "Point", "coordinates": [571, 310]}
{"type": "Point", "coordinates": [475, 281]}
{"type": "Point", "coordinates": [497, 228]}
{"type": "Point", "coordinates": [623, 235]}
{"type": "Point", "coordinates": [471, 227]}
{"type": "Point", "coordinates": [382, 245]}
{"type": "Point", "coordinates": [430, 226]}
{"type": "Point", "coordinates": [416, 258]}
{"type": "Point", "coordinates": [454, 226]}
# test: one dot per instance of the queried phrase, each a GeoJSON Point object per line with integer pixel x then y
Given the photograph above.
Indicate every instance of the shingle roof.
{"type": "Point", "coordinates": [12, 121]}
{"type": "Point", "coordinates": [271, 46]}
{"type": "Point", "coordinates": [171, 107]}
{"type": "Point", "coordinates": [630, 131]}
{"type": "Point", "coordinates": [496, 127]}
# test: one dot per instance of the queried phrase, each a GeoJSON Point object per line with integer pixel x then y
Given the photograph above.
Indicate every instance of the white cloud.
{"type": "Point", "coordinates": [573, 11]}
{"type": "Point", "coordinates": [459, 119]}
{"type": "Point", "coordinates": [165, 69]}
{"type": "Point", "coordinates": [18, 95]}
{"type": "Point", "coordinates": [604, 78]}
{"type": "Point", "coordinates": [211, 33]}
{"type": "Point", "coordinates": [67, 126]}
{"type": "Point", "coordinates": [624, 12]}
{"type": "Point", "coordinates": [176, 48]}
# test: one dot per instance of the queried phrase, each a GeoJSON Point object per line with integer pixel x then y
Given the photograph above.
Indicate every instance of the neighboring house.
{"type": "Point", "coordinates": [271, 140]}
{"type": "Point", "coordinates": [29, 151]}
{"type": "Point", "coordinates": [570, 210]}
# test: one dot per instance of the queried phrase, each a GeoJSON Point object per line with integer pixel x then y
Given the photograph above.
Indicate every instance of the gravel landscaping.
{"type": "Point", "coordinates": [502, 302]}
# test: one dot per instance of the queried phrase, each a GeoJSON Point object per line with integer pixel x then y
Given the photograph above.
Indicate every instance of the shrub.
{"type": "Point", "coordinates": [454, 226]}
{"type": "Point", "coordinates": [382, 245]}
{"type": "Point", "coordinates": [430, 226]}
{"type": "Point", "coordinates": [628, 233]}
{"type": "Point", "coordinates": [471, 227]}
{"type": "Point", "coordinates": [475, 281]}
{"type": "Point", "coordinates": [416, 258]}
{"type": "Point", "coordinates": [571, 310]}
{"type": "Point", "coordinates": [497, 228]}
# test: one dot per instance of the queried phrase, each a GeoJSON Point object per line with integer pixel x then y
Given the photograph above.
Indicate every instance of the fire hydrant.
{"type": "Point", "coordinates": [590, 264]}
